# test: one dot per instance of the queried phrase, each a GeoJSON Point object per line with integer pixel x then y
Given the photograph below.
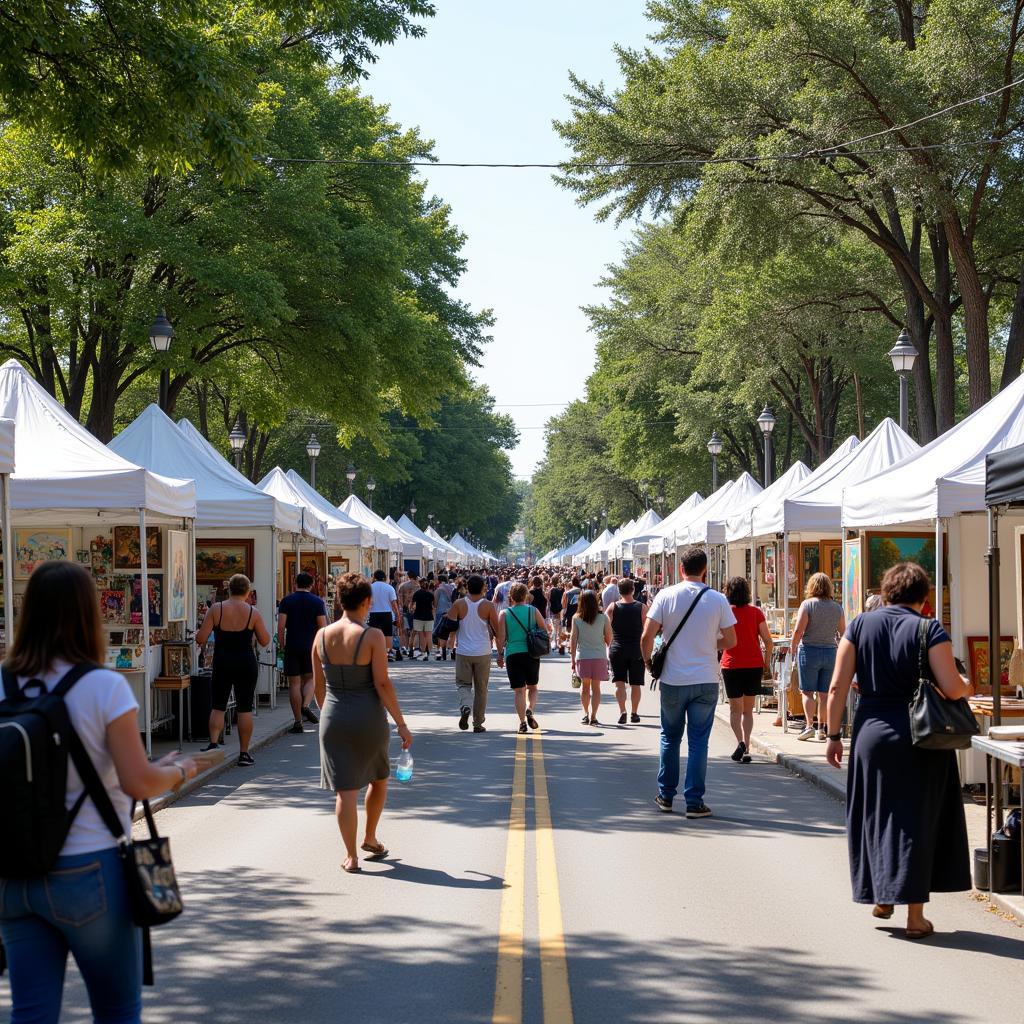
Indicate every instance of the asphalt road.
{"type": "Point", "coordinates": [617, 913]}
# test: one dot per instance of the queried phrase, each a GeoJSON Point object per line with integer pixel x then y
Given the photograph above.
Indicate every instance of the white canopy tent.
{"type": "Point", "coordinates": [662, 539]}
{"type": "Point", "coordinates": [68, 479]}
{"type": "Point", "coordinates": [385, 539]}
{"type": "Point", "coordinates": [438, 550]}
{"type": "Point", "coordinates": [342, 529]}
{"type": "Point", "coordinates": [413, 548]}
{"type": "Point", "coordinates": [566, 555]}
{"type": "Point", "coordinates": [640, 531]}
{"type": "Point", "coordinates": [697, 529]}
{"type": "Point", "coordinates": [451, 553]}
{"type": "Point", "coordinates": [738, 524]}
{"type": "Point", "coordinates": [590, 552]}
{"type": "Point", "coordinates": [468, 550]}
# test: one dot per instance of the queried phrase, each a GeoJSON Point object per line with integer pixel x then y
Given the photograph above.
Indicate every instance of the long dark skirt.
{"type": "Point", "coordinates": [904, 814]}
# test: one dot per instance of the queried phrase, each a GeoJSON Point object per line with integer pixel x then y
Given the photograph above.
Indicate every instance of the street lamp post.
{"type": "Point", "coordinates": [430, 519]}
{"type": "Point", "coordinates": [903, 355]}
{"type": "Point", "coordinates": [161, 334]}
{"type": "Point", "coordinates": [237, 441]}
{"type": "Point", "coordinates": [766, 421]}
{"type": "Point", "coordinates": [714, 450]}
{"type": "Point", "coordinates": [350, 476]}
{"type": "Point", "coordinates": [313, 451]}
{"type": "Point", "coordinates": [412, 511]}
{"type": "Point", "coordinates": [371, 486]}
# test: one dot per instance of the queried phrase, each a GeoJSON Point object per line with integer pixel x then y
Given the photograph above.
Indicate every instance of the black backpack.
{"type": "Point", "coordinates": [35, 742]}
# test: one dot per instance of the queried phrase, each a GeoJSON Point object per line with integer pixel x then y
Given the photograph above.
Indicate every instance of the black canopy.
{"type": "Point", "coordinates": [1004, 477]}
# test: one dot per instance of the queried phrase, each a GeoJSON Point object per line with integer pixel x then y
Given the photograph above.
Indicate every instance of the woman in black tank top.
{"type": "Point", "coordinates": [235, 666]}
{"type": "Point", "coordinates": [624, 655]}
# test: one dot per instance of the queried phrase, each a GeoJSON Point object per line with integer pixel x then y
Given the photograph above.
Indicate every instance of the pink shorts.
{"type": "Point", "coordinates": [593, 668]}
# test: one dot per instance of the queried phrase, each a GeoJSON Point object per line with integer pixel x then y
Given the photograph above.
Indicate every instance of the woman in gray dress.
{"type": "Point", "coordinates": [350, 670]}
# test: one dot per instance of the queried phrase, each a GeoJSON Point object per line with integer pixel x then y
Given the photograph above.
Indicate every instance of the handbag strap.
{"type": "Point", "coordinates": [922, 649]}
{"type": "Point", "coordinates": [689, 612]}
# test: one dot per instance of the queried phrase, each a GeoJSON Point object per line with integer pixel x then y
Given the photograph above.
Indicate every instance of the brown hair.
{"type": "Point", "coordinates": [352, 591]}
{"type": "Point", "coordinates": [819, 585]}
{"type": "Point", "coordinates": [239, 585]}
{"type": "Point", "coordinates": [694, 561]}
{"type": "Point", "coordinates": [517, 592]}
{"type": "Point", "coordinates": [906, 583]}
{"type": "Point", "coordinates": [737, 591]}
{"type": "Point", "coordinates": [587, 608]}
{"type": "Point", "coordinates": [59, 620]}
{"type": "Point", "coordinates": [625, 587]}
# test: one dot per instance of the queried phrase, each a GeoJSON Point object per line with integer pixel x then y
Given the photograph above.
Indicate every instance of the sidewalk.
{"type": "Point", "coordinates": [807, 759]}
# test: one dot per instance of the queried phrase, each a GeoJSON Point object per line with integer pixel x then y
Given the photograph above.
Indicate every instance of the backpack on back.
{"type": "Point", "coordinates": [35, 742]}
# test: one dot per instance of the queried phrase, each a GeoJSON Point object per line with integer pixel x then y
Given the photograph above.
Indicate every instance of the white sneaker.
{"type": "Point", "coordinates": [807, 734]}
{"type": "Point", "coordinates": [822, 735]}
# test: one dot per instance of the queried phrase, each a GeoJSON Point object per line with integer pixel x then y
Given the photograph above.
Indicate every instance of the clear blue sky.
{"type": "Point", "coordinates": [485, 84]}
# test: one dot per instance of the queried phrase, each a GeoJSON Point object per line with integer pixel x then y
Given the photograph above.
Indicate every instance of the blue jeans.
{"type": "Point", "coordinates": [815, 665]}
{"type": "Point", "coordinates": [81, 906]}
{"type": "Point", "coordinates": [683, 706]}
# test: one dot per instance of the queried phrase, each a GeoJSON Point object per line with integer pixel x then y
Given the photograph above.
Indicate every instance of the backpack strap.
{"type": "Point", "coordinates": [93, 786]}
{"type": "Point", "coordinates": [71, 677]}
{"type": "Point", "coordinates": [11, 689]}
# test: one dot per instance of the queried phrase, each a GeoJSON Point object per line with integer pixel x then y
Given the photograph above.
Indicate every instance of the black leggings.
{"type": "Point", "coordinates": [239, 674]}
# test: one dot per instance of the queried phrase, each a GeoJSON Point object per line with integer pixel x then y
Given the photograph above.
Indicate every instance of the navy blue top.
{"type": "Point", "coordinates": [887, 651]}
{"type": "Point", "coordinates": [302, 608]}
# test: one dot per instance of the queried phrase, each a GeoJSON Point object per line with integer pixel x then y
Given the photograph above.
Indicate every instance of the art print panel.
{"type": "Point", "coordinates": [33, 546]}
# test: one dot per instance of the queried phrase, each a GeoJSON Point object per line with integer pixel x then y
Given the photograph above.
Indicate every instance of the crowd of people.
{"type": "Point", "coordinates": [905, 818]}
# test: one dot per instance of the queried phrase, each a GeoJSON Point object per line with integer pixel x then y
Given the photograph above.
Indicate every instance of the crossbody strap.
{"type": "Point", "coordinates": [689, 612]}
{"type": "Point", "coordinates": [922, 647]}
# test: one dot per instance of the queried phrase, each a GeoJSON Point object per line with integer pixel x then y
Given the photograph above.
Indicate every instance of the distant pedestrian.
{"type": "Point", "coordinates": [819, 624]}
{"type": "Point", "coordinates": [610, 594]}
{"type": "Point", "coordinates": [422, 619]}
{"type": "Point", "coordinates": [354, 691]}
{"type": "Point", "coordinates": [82, 905]}
{"type": "Point", "coordinates": [384, 613]}
{"type": "Point", "coordinates": [478, 625]}
{"type": "Point", "coordinates": [689, 682]}
{"type": "Point", "coordinates": [299, 616]}
{"type": "Point", "coordinates": [627, 617]}
{"type": "Point", "coordinates": [743, 666]}
{"type": "Point", "coordinates": [234, 624]}
{"type": "Point", "coordinates": [904, 810]}
{"type": "Point", "coordinates": [523, 668]}
{"type": "Point", "coordinates": [589, 637]}
{"type": "Point", "coordinates": [555, 597]}
{"type": "Point", "coordinates": [538, 598]}
{"type": "Point", "coordinates": [405, 590]}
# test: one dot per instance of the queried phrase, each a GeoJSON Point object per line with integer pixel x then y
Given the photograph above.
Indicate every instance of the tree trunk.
{"type": "Point", "coordinates": [1015, 341]}
{"type": "Point", "coordinates": [945, 374]}
{"type": "Point", "coordinates": [975, 310]}
{"type": "Point", "coordinates": [858, 391]}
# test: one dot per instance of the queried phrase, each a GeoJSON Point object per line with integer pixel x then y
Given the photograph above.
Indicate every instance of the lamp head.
{"type": "Point", "coordinates": [350, 473]}
{"type": "Point", "coordinates": [237, 437]}
{"type": "Point", "coordinates": [715, 444]}
{"type": "Point", "coordinates": [161, 334]}
{"type": "Point", "coordinates": [903, 354]}
{"type": "Point", "coordinates": [766, 421]}
{"type": "Point", "coordinates": [313, 447]}
{"type": "Point", "coordinates": [371, 484]}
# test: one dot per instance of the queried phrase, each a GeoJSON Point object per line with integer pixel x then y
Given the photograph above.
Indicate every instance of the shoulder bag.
{"type": "Point", "coordinates": [935, 722]}
{"type": "Point", "coordinates": [659, 656]}
{"type": "Point", "coordinates": [538, 642]}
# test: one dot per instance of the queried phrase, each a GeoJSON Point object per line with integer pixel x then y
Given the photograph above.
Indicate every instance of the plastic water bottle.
{"type": "Point", "coordinates": [403, 767]}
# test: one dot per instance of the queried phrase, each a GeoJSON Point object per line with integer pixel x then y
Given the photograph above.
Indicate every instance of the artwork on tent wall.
{"type": "Point", "coordinates": [128, 551]}
{"type": "Point", "coordinates": [219, 560]}
{"type": "Point", "coordinates": [884, 550]}
{"type": "Point", "coordinates": [313, 562]}
{"type": "Point", "coordinates": [155, 604]}
{"type": "Point", "coordinates": [177, 578]}
{"type": "Point", "coordinates": [853, 592]}
{"type": "Point", "coordinates": [979, 662]}
{"type": "Point", "coordinates": [768, 565]}
{"type": "Point", "coordinates": [337, 566]}
{"type": "Point", "coordinates": [177, 659]}
{"type": "Point", "coordinates": [101, 555]}
{"type": "Point", "coordinates": [34, 546]}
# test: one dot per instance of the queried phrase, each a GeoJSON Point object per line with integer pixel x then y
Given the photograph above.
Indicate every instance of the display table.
{"type": "Point", "coordinates": [972, 762]}
{"type": "Point", "coordinates": [180, 684]}
{"type": "Point", "coordinates": [1001, 756]}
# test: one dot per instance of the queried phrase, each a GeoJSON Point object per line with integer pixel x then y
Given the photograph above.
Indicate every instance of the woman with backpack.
{"type": "Point", "coordinates": [81, 903]}
{"type": "Point", "coordinates": [590, 635]}
{"type": "Point", "coordinates": [513, 651]}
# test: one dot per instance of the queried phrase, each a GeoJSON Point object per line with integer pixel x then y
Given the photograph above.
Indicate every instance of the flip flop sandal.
{"type": "Point", "coordinates": [351, 870]}
{"type": "Point", "coordinates": [378, 852]}
{"type": "Point", "coordinates": [882, 911]}
{"type": "Point", "coordinates": [914, 934]}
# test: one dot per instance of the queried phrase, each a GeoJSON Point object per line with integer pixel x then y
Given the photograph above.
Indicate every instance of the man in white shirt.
{"type": "Point", "coordinates": [384, 611]}
{"type": "Point", "coordinates": [689, 681]}
{"type": "Point", "coordinates": [610, 594]}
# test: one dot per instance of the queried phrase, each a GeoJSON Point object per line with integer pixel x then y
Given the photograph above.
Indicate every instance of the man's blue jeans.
{"type": "Point", "coordinates": [690, 709]}
{"type": "Point", "coordinates": [81, 906]}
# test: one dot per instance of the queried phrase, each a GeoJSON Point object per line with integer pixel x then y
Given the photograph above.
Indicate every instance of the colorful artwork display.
{"type": "Point", "coordinates": [101, 555]}
{"type": "Point", "coordinates": [887, 550]}
{"type": "Point", "coordinates": [128, 553]}
{"type": "Point", "coordinates": [853, 592]}
{"type": "Point", "coordinates": [218, 560]}
{"type": "Point", "coordinates": [155, 603]}
{"type": "Point", "coordinates": [312, 562]}
{"type": "Point", "coordinates": [177, 659]}
{"type": "Point", "coordinates": [177, 586]}
{"type": "Point", "coordinates": [32, 547]}
{"type": "Point", "coordinates": [980, 663]}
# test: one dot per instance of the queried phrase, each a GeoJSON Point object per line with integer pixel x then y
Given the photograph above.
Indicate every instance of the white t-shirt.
{"type": "Point", "coordinates": [97, 699]}
{"type": "Point", "coordinates": [501, 593]}
{"type": "Point", "coordinates": [383, 595]}
{"type": "Point", "coordinates": [610, 595]}
{"type": "Point", "coordinates": [693, 657]}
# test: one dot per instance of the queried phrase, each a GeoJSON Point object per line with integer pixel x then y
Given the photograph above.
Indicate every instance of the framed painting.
{"type": "Point", "coordinates": [155, 603]}
{"type": "Point", "coordinates": [337, 566]}
{"type": "Point", "coordinates": [219, 560]}
{"type": "Point", "coordinates": [34, 546]}
{"type": "Point", "coordinates": [177, 576]}
{"type": "Point", "coordinates": [313, 562]}
{"type": "Point", "coordinates": [177, 659]}
{"type": "Point", "coordinates": [853, 584]}
{"type": "Point", "coordinates": [128, 552]}
{"type": "Point", "coordinates": [979, 662]}
{"type": "Point", "coordinates": [768, 565]}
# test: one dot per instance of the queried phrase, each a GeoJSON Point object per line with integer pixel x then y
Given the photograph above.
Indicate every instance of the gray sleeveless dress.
{"type": "Point", "coordinates": [354, 732]}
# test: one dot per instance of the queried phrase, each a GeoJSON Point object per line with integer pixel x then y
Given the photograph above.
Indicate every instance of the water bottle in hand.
{"type": "Point", "coordinates": [403, 767]}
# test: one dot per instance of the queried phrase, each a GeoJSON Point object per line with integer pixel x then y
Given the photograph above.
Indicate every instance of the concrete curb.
{"type": "Point", "coordinates": [166, 799]}
{"type": "Point", "coordinates": [828, 780]}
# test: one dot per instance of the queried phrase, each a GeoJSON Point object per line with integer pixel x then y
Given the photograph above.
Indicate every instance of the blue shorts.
{"type": "Point", "coordinates": [815, 665]}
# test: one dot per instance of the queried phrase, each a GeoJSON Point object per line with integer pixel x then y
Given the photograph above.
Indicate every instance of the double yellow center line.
{"type": "Point", "coordinates": [508, 994]}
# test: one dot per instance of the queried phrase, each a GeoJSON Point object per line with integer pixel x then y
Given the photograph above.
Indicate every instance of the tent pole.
{"type": "Point", "coordinates": [994, 660]}
{"type": "Point", "coordinates": [192, 590]}
{"type": "Point", "coordinates": [5, 539]}
{"type": "Point", "coordinates": [939, 570]}
{"type": "Point", "coordinates": [144, 612]}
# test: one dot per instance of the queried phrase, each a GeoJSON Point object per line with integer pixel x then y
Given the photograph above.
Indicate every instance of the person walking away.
{"type": "Point", "coordinates": [819, 624]}
{"type": "Point", "coordinates": [904, 810]}
{"type": "Point", "coordinates": [405, 592]}
{"type": "Point", "coordinates": [743, 665]}
{"type": "Point", "coordinates": [555, 596]}
{"type": "Point", "coordinates": [689, 682]}
{"type": "Point", "coordinates": [522, 668]}
{"type": "Point", "coordinates": [478, 624]}
{"type": "Point", "coordinates": [354, 690]}
{"type": "Point", "coordinates": [640, 590]}
{"type": "Point", "coordinates": [571, 602]}
{"type": "Point", "coordinates": [539, 599]}
{"type": "Point", "coordinates": [501, 593]}
{"type": "Point", "coordinates": [610, 594]}
{"type": "Point", "coordinates": [627, 617]}
{"type": "Point", "coordinates": [299, 616]}
{"type": "Point", "coordinates": [444, 596]}
{"type": "Point", "coordinates": [234, 623]}
{"type": "Point", "coordinates": [589, 637]}
{"type": "Point", "coordinates": [384, 612]}
{"type": "Point", "coordinates": [422, 620]}
{"type": "Point", "coordinates": [82, 904]}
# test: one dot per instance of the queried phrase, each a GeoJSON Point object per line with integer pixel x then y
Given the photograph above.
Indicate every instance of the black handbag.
{"type": "Point", "coordinates": [152, 886]}
{"type": "Point", "coordinates": [935, 722]}
{"type": "Point", "coordinates": [538, 641]}
{"type": "Point", "coordinates": [659, 656]}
